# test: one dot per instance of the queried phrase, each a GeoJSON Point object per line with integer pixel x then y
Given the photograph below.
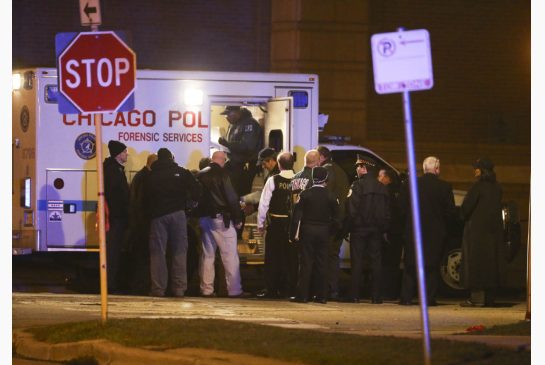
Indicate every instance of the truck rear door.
{"type": "Point", "coordinates": [278, 124]}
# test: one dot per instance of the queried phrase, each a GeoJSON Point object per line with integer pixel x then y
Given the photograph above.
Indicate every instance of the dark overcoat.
{"type": "Point", "coordinates": [481, 211]}
{"type": "Point", "coordinates": [437, 210]}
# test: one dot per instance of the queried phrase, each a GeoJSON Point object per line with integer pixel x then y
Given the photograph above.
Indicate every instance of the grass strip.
{"type": "Point", "coordinates": [310, 347]}
{"type": "Point", "coordinates": [522, 328]}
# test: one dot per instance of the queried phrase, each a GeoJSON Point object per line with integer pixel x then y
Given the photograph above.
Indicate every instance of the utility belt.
{"type": "Point", "coordinates": [278, 216]}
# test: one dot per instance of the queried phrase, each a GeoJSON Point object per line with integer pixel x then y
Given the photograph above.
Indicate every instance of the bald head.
{"type": "Point", "coordinates": [312, 158]}
{"type": "Point", "coordinates": [285, 161]}
{"type": "Point", "coordinates": [219, 158]}
{"type": "Point", "coordinates": [152, 157]}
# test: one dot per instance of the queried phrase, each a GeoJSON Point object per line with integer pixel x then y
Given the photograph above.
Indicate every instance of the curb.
{"type": "Point", "coordinates": [106, 352]}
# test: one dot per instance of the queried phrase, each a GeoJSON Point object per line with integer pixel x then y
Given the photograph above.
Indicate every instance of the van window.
{"type": "Point", "coordinates": [51, 94]}
{"type": "Point", "coordinates": [300, 98]}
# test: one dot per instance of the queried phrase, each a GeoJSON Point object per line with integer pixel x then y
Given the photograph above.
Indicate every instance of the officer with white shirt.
{"type": "Point", "coordinates": [281, 263]}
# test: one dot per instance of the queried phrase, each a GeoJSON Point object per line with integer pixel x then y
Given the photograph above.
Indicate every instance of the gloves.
{"type": "Point", "coordinates": [223, 142]}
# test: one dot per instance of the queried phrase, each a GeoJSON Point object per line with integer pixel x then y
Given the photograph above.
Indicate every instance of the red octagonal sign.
{"type": "Point", "coordinates": [97, 72]}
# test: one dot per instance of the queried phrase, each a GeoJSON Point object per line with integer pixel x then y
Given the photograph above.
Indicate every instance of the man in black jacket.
{"type": "Point", "coordinates": [368, 211]}
{"type": "Point", "coordinates": [116, 194]}
{"type": "Point", "coordinates": [244, 141]}
{"type": "Point", "coordinates": [169, 187]}
{"type": "Point", "coordinates": [437, 211]}
{"type": "Point", "coordinates": [220, 213]}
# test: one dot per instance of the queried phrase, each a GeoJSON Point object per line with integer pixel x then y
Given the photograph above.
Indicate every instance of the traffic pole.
{"type": "Point", "coordinates": [529, 264]}
{"type": "Point", "coordinates": [101, 215]}
{"type": "Point", "coordinates": [417, 234]}
{"type": "Point", "coordinates": [101, 221]}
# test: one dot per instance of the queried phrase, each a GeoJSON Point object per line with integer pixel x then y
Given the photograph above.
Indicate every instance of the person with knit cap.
{"type": "Point", "coordinates": [116, 194]}
{"type": "Point", "coordinates": [315, 218]}
{"type": "Point", "coordinates": [168, 189]}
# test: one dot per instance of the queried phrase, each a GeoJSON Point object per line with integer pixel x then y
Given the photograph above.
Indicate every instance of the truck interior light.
{"type": "Point", "coordinates": [16, 82]}
{"type": "Point", "coordinates": [193, 97]}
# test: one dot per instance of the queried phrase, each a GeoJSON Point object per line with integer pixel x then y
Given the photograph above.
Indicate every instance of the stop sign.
{"type": "Point", "coordinates": [97, 72]}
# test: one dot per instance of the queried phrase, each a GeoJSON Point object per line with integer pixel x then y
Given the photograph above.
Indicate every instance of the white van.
{"type": "Point", "coordinates": [54, 165]}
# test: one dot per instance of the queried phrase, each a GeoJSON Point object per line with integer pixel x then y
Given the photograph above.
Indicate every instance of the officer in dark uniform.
{"type": "Point", "coordinates": [315, 216]}
{"type": "Point", "coordinates": [303, 179]}
{"type": "Point", "coordinates": [281, 263]}
{"type": "Point", "coordinates": [244, 141]}
{"type": "Point", "coordinates": [337, 184]}
{"type": "Point", "coordinates": [368, 214]}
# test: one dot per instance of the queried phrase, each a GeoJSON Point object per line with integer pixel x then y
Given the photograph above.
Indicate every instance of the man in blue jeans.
{"type": "Point", "coordinates": [168, 187]}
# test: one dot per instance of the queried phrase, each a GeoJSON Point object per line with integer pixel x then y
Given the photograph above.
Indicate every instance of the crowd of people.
{"type": "Point", "coordinates": [304, 216]}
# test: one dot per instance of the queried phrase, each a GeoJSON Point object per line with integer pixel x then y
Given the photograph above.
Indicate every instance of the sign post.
{"type": "Point", "coordinates": [97, 74]}
{"type": "Point", "coordinates": [401, 63]}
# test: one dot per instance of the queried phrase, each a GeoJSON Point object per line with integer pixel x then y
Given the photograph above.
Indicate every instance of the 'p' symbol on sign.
{"type": "Point", "coordinates": [386, 47]}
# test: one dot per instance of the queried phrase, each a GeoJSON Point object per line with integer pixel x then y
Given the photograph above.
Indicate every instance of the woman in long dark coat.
{"type": "Point", "coordinates": [481, 211]}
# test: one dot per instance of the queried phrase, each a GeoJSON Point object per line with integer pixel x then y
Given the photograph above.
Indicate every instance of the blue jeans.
{"type": "Point", "coordinates": [171, 230]}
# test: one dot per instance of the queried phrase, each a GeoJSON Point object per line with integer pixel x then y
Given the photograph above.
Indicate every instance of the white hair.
{"type": "Point", "coordinates": [431, 165]}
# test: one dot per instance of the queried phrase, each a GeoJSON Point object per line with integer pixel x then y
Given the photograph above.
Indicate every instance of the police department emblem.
{"type": "Point", "coordinates": [85, 146]}
{"type": "Point", "coordinates": [25, 118]}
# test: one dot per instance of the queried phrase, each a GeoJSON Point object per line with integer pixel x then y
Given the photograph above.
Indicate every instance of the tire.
{"type": "Point", "coordinates": [450, 269]}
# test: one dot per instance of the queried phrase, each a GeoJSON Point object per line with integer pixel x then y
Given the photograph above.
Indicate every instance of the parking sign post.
{"type": "Point", "coordinates": [402, 63]}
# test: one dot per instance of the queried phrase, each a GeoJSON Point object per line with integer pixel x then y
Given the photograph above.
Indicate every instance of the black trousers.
{"type": "Point", "coordinates": [333, 264]}
{"type": "Point", "coordinates": [114, 245]}
{"type": "Point", "coordinates": [313, 260]}
{"type": "Point", "coordinates": [366, 244]}
{"type": "Point", "coordinates": [409, 283]}
{"type": "Point", "coordinates": [281, 261]}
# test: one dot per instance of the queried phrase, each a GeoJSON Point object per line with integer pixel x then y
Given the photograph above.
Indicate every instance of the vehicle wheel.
{"type": "Point", "coordinates": [450, 269]}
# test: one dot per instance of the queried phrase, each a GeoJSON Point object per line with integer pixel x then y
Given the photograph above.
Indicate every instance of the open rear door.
{"type": "Point", "coordinates": [278, 124]}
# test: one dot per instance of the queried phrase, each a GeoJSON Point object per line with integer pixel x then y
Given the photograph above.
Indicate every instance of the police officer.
{"type": "Point", "coordinates": [267, 161]}
{"type": "Point", "coordinates": [368, 214]}
{"type": "Point", "coordinates": [303, 179]}
{"type": "Point", "coordinates": [337, 184]}
{"type": "Point", "coordinates": [315, 218]}
{"type": "Point", "coordinates": [280, 256]}
{"type": "Point", "coordinates": [244, 140]}
{"type": "Point", "coordinates": [220, 214]}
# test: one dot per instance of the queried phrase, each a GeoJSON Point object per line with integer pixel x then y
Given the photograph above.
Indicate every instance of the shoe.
{"type": "Point", "coordinates": [405, 302]}
{"type": "Point", "coordinates": [469, 303]}
{"type": "Point", "coordinates": [267, 295]}
{"type": "Point", "coordinates": [377, 301]}
{"type": "Point", "coordinates": [241, 295]}
{"type": "Point", "coordinates": [320, 300]}
{"type": "Point", "coordinates": [211, 295]}
{"type": "Point", "coordinates": [352, 300]}
{"type": "Point", "coordinates": [298, 300]}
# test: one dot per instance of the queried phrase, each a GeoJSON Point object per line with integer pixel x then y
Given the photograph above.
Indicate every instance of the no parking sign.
{"type": "Point", "coordinates": [402, 61]}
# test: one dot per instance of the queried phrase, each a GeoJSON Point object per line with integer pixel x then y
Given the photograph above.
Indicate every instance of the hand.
{"type": "Point", "coordinates": [238, 225]}
{"type": "Point", "coordinates": [249, 209]}
{"type": "Point", "coordinates": [222, 141]}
